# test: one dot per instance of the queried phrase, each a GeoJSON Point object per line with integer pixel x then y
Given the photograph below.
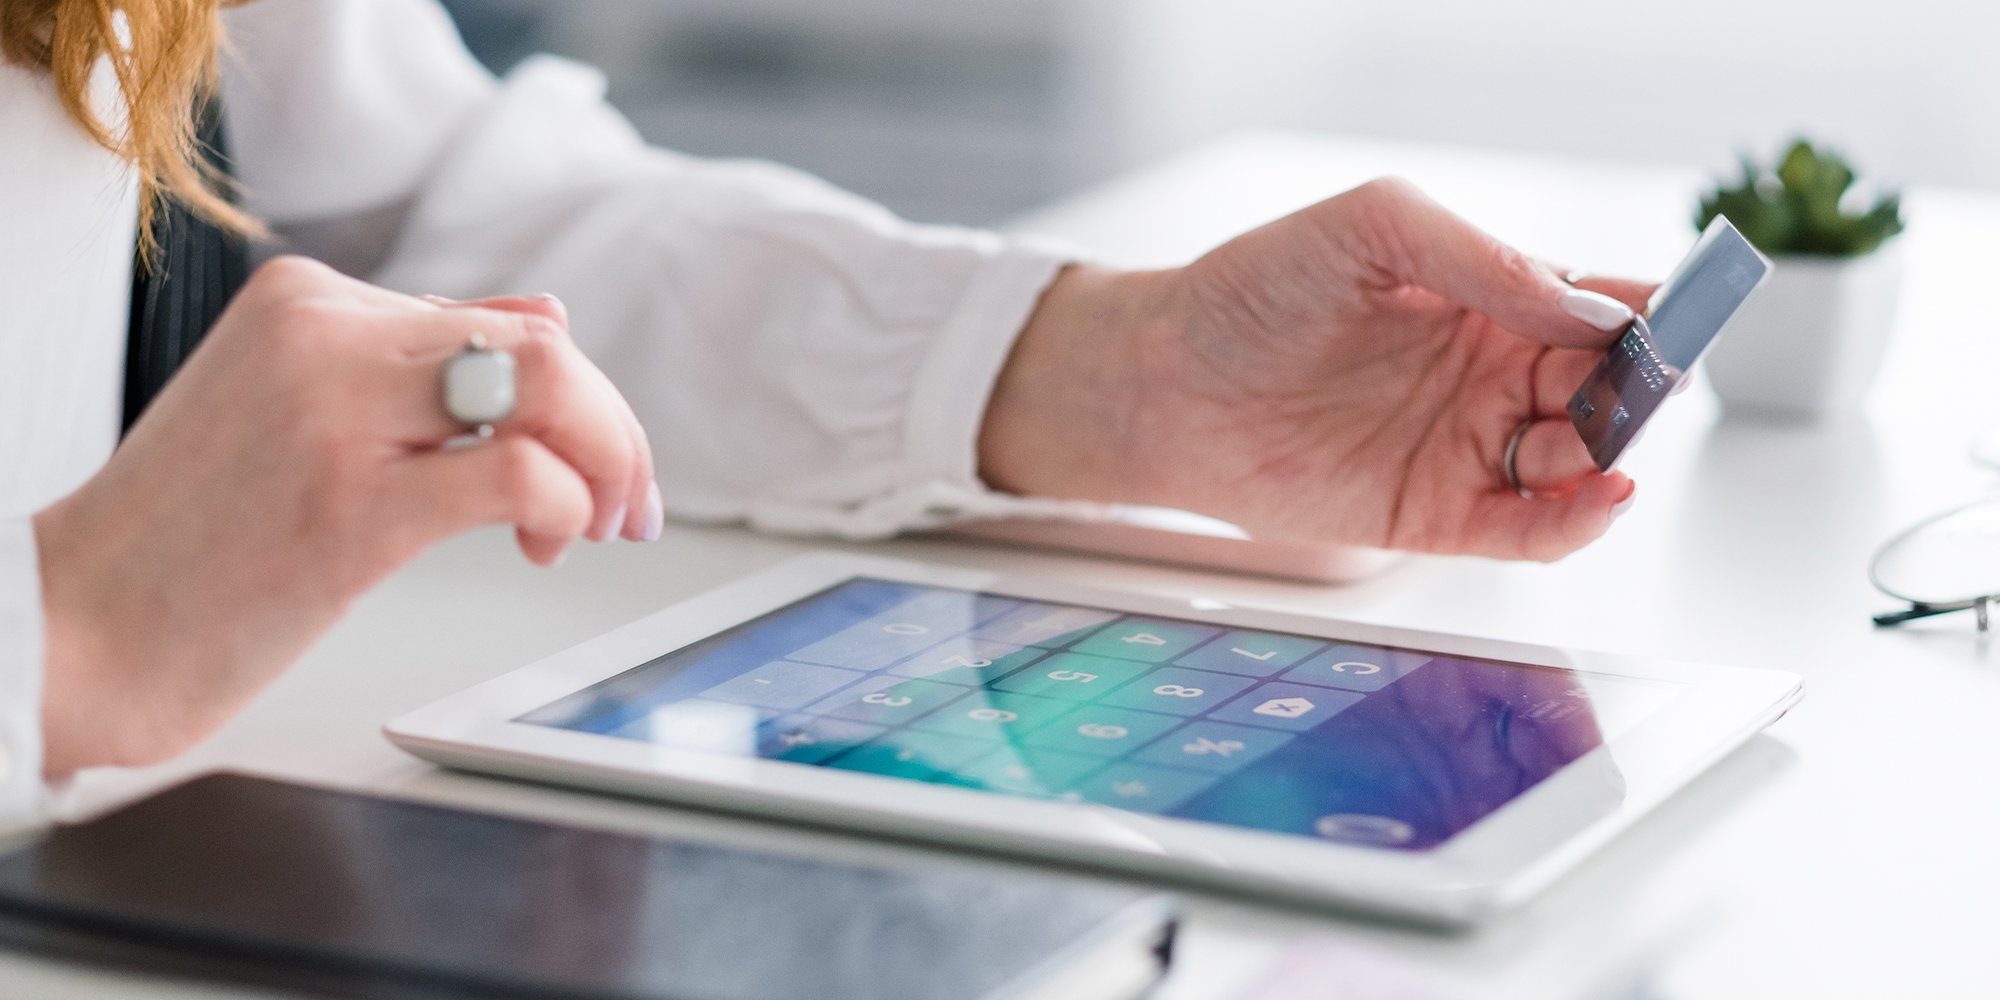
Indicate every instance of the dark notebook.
{"type": "Point", "coordinates": [331, 893]}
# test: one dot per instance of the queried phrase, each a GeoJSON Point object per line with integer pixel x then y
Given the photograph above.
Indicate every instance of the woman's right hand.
{"type": "Point", "coordinates": [296, 460]}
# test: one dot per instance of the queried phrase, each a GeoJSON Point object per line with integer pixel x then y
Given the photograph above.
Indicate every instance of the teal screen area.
{"type": "Point", "coordinates": [1303, 735]}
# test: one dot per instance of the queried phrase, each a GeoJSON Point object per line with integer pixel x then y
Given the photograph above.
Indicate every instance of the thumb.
{"type": "Point", "coordinates": [1416, 241]}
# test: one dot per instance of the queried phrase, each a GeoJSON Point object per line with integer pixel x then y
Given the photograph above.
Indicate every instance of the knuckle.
{"type": "Point", "coordinates": [290, 270]}
{"type": "Point", "coordinates": [1387, 190]}
{"type": "Point", "coordinates": [539, 327]}
{"type": "Point", "coordinates": [1515, 267]}
{"type": "Point", "coordinates": [301, 321]}
{"type": "Point", "coordinates": [642, 458]}
{"type": "Point", "coordinates": [542, 355]}
{"type": "Point", "coordinates": [547, 373]}
{"type": "Point", "coordinates": [517, 469]}
{"type": "Point", "coordinates": [538, 351]}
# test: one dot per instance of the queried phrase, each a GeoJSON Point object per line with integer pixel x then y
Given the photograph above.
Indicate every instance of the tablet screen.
{"type": "Point", "coordinates": [1296, 734]}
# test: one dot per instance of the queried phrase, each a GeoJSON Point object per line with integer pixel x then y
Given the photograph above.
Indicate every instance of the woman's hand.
{"type": "Point", "coordinates": [297, 459]}
{"type": "Point", "coordinates": [1351, 373]}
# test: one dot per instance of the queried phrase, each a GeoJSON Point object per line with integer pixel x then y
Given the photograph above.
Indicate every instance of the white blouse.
{"type": "Point", "coordinates": [803, 360]}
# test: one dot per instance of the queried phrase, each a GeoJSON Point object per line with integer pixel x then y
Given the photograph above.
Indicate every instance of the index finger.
{"type": "Point", "coordinates": [1413, 240]}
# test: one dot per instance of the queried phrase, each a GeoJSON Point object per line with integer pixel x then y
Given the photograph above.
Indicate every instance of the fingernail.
{"type": "Point", "coordinates": [610, 527]}
{"type": "Point", "coordinates": [656, 514]}
{"type": "Point", "coordinates": [1618, 509]}
{"type": "Point", "coordinates": [561, 310]}
{"type": "Point", "coordinates": [561, 554]}
{"type": "Point", "coordinates": [1601, 311]}
{"type": "Point", "coordinates": [437, 300]}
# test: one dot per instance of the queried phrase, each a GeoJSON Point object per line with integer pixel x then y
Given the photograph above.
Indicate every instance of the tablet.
{"type": "Point", "coordinates": [1435, 777]}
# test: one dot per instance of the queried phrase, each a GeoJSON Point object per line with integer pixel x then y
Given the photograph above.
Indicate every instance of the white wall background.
{"type": "Point", "coordinates": [1911, 87]}
{"type": "Point", "coordinates": [971, 110]}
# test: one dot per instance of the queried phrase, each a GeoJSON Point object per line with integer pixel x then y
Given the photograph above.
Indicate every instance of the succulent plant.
{"type": "Point", "coordinates": [1796, 208]}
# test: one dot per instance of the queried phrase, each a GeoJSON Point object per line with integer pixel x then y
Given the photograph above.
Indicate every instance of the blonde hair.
{"type": "Point", "coordinates": [164, 57]}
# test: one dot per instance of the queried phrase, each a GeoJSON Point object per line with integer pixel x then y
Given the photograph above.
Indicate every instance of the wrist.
{"type": "Point", "coordinates": [1080, 382]}
{"type": "Point", "coordinates": [87, 700]}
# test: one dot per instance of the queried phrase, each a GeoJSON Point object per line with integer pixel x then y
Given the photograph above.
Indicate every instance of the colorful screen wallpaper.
{"type": "Point", "coordinates": [1341, 741]}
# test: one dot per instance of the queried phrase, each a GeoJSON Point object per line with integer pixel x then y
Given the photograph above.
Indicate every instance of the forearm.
{"type": "Point", "coordinates": [83, 719]}
{"type": "Point", "coordinates": [1068, 413]}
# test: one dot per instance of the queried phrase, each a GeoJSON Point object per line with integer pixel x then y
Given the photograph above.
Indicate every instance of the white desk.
{"type": "Point", "coordinates": [1849, 852]}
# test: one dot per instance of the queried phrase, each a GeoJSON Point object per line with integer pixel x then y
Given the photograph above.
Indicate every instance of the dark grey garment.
{"type": "Point", "coordinates": [178, 294]}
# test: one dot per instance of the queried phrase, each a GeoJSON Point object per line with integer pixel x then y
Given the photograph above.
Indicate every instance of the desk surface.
{"type": "Point", "coordinates": [1848, 852]}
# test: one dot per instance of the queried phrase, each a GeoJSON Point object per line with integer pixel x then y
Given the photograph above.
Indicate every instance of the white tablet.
{"type": "Point", "coordinates": [1436, 777]}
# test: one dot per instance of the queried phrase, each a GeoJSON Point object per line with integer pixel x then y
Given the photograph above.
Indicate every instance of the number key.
{"type": "Point", "coordinates": [1178, 691]}
{"type": "Point", "coordinates": [1357, 668]}
{"type": "Point", "coordinates": [1097, 731]}
{"type": "Point", "coordinates": [1072, 677]}
{"type": "Point", "coordinates": [1252, 654]}
{"type": "Point", "coordinates": [968, 661]}
{"type": "Point", "coordinates": [1152, 640]}
{"type": "Point", "coordinates": [810, 739]}
{"type": "Point", "coordinates": [993, 715]}
{"type": "Point", "coordinates": [886, 700]}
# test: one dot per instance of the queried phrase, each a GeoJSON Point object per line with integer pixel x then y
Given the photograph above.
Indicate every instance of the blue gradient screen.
{"type": "Point", "coordinates": [1303, 735]}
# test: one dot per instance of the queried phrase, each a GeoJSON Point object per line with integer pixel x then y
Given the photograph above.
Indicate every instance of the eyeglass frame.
{"type": "Point", "coordinates": [1927, 609]}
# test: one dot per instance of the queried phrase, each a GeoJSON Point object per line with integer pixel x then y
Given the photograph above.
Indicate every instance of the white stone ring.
{"type": "Point", "coordinates": [1513, 452]}
{"type": "Point", "coordinates": [479, 386]}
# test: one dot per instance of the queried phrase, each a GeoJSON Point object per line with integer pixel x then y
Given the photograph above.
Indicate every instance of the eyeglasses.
{"type": "Point", "coordinates": [1945, 563]}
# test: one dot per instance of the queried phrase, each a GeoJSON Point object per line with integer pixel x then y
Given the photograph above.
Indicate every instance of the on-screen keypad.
{"type": "Point", "coordinates": [1042, 700]}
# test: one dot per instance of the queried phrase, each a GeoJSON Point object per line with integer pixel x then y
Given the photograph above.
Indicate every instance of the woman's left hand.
{"type": "Point", "coordinates": [1351, 373]}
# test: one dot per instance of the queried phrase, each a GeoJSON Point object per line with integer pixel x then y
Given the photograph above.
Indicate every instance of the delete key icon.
{"type": "Point", "coordinates": [1295, 707]}
{"type": "Point", "coordinates": [1285, 708]}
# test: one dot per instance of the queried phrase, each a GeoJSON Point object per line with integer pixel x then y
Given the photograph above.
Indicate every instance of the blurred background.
{"type": "Point", "coordinates": [971, 111]}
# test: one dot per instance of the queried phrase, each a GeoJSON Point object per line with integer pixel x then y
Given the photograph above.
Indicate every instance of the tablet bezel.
{"type": "Point", "coordinates": [1495, 863]}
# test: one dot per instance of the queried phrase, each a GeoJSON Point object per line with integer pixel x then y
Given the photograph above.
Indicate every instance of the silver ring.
{"type": "Point", "coordinates": [1507, 460]}
{"type": "Point", "coordinates": [1571, 278]}
{"type": "Point", "coordinates": [478, 386]}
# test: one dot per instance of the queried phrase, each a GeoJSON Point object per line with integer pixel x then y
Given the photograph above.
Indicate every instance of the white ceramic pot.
{"type": "Point", "coordinates": [1809, 342]}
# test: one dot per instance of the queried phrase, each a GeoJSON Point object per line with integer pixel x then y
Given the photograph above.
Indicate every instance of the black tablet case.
{"type": "Point", "coordinates": [277, 885]}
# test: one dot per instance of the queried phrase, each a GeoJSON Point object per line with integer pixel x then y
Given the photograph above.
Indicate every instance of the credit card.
{"type": "Point", "coordinates": [1641, 368]}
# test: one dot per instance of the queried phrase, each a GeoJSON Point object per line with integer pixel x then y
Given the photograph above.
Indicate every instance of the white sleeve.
{"type": "Point", "coordinates": [23, 798]}
{"type": "Point", "coordinates": [803, 360]}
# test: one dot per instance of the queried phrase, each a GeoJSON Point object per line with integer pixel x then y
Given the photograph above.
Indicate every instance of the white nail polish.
{"type": "Point", "coordinates": [1601, 311]}
{"type": "Point", "coordinates": [656, 514]}
{"type": "Point", "coordinates": [611, 527]}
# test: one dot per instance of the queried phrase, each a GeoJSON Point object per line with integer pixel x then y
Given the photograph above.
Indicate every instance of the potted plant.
{"type": "Point", "coordinates": [1809, 342]}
